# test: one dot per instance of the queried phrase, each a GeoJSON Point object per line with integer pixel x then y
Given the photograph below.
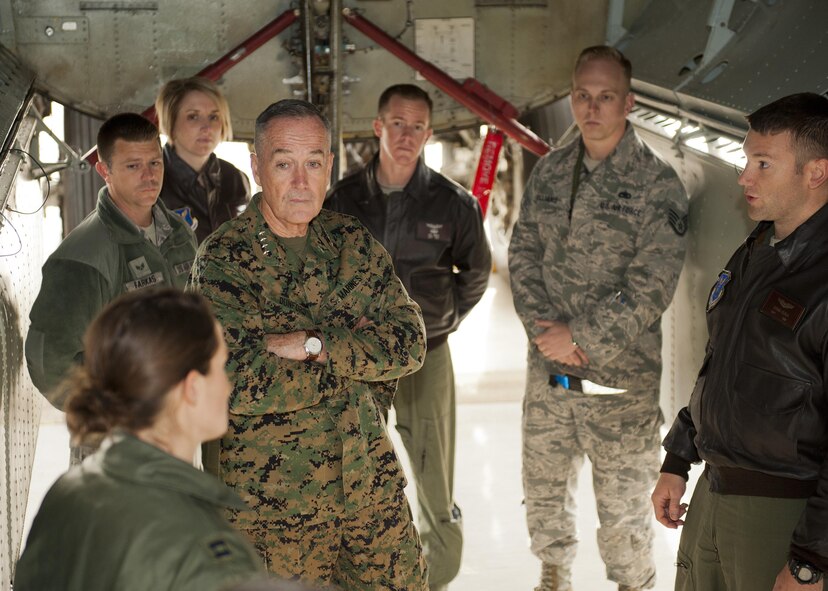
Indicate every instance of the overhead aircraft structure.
{"type": "Point", "coordinates": [698, 68]}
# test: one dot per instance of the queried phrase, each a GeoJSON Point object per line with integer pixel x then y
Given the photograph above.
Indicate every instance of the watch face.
{"type": "Point", "coordinates": [313, 346]}
{"type": "Point", "coordinates": [804, 574]}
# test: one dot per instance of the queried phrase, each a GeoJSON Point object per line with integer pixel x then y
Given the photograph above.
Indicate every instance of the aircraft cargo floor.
{"type": "Point", "coordinates": [489, 357]}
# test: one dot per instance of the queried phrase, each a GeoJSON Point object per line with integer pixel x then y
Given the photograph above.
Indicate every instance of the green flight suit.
{"type": "Point", "coordinates": [133, 518]}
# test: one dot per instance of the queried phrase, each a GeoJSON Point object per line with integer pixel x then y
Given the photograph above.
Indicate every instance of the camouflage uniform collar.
{"type": "Point", "coordinates": [624, 151]}
{"type": "Point", "coordinates": [416, 187]}
{"type": "Point", "coordinates": [122, 229]}
{"type": "Point", "coordinates": [126, 457]}
{"type": "Point", "coordinates": [270, 248]}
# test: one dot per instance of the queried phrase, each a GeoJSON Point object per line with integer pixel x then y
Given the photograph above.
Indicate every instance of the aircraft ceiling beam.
{"type": "Point", "coordinates": [233, 57]}
{"type": "Point", "coordinates": [473, 95]}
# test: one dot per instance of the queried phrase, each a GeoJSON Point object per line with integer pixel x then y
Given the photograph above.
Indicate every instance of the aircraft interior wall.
{"type": "Point", "coordinates": [20, 258]}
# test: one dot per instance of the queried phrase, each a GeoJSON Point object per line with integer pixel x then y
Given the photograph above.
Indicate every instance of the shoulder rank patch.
{"type": "Point", "coordinates": [219, 549]}
{"type": "Point", "coordinates": [677, 222]}
{"type": "Point", "coordinates": [718, 290]}
{"type": "Point", "coordinates": [139, 267]}
{"type": "Point", "coordinates": [782, 309]}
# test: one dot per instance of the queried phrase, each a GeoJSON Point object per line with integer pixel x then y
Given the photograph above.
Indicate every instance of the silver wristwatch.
{"type": "Point", "coordinates": [313, 344]}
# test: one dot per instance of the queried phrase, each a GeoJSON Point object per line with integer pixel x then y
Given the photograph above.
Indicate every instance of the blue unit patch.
{"type": "Point", "coordinates": [718, 290]}
{"type": "Point", "coordinates": [185, 214]}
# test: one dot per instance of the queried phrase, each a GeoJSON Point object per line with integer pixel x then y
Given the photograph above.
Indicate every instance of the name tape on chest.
{"type": "Point", "coordinates": [782, 309]}
{"type": "Point", "coordinates": [434, 231]}
{"type": "Point", "coordinates": [621, 208]}
{"type": "Point", "coordinates": [183, 268]}
{"type": "Point", "coordinates": [148, 281]}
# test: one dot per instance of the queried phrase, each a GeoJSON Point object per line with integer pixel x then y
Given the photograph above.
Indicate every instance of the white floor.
{"type": "Point", "coordinates": [489, 355]}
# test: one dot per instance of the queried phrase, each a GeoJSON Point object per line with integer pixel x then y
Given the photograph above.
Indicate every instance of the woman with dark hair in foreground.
{"type": "Point", "coordinates": [137, 514]}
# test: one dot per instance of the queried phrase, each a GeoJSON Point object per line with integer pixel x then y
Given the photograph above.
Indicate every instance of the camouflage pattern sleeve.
{"type": "Point", "coordinates": [526, 255]}
{"type": "Point", "coordinates": [262, 382]}
{"type": "Point", "coordinates": [392, 344]}
{"type": "Point", "coordinates": [647, 287]}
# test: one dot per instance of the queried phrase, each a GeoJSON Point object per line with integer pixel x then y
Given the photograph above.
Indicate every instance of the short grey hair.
{"type": "Point", "coordinates": [288, 109]}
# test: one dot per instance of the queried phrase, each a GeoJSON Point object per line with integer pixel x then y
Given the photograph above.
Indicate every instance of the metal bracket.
{"type": "Point", "coordinates": [73, 158]}
{"type": "Point", "coordinates": [10, 165]}
{"type": "Point", "coordinates": [719, 36]}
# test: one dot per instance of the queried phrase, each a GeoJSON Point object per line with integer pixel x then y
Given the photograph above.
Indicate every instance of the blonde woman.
{"type": "Point", "coordinates": [205, 190]}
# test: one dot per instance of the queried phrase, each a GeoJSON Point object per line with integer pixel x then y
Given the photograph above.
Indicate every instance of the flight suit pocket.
{"type": "Point", "coordinates": [769, 404]}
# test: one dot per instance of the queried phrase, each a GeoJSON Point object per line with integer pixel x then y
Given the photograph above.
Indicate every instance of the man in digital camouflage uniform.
{"type": "Point", "coordinates": [316, 324]}
{"type": "Point", "coordinates": [594, 260]}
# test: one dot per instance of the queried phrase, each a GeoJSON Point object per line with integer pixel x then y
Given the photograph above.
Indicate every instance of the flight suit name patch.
{"type": "Point", "coordinates": [182, 268]}
{"type": "Point", "coordinates": [782, 309]}
{"type": "Point", "coordinates": [434, 231]}
{"type": "Point", "coordinates": [148, 281]}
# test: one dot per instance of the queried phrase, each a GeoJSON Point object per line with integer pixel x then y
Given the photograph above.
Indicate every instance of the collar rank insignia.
{"type": "Point", "coordinates": [219, 549]}
{"type": "Point", "coordinates": [718, 290]}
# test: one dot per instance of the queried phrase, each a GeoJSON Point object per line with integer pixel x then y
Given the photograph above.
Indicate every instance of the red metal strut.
{"type": "Point", "coordinates": [217, 69]}
{"type": "Point", "coordinates": [476, 97]}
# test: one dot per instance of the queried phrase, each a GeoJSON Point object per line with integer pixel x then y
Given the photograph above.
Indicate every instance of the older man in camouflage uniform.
{"type": "Point", "coordinates": [594, 260]}
{"type": "Point", "coordinates": [316, 323]}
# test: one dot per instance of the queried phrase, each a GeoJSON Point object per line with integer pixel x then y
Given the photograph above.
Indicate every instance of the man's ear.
{"type": "Point", "coordinates": [817, 171]}
{"type": "Point", "coordinates": [102, 170]}
{"type": "Point", "coordinates": [377, 125]}
{"type": "Point", "coordinates": [629, 103]}
{"type": "Point", "coordinates": [254, 165]}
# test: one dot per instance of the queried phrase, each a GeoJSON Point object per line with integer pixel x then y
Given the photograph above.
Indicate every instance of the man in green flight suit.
{"type": "Point", "coordinates": [131, 241]}
{"type": "Point", "coordinates": [317, 324]}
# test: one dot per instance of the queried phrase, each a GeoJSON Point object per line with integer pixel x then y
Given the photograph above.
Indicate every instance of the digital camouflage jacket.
{"type": "Point", "coordinates": [347, 275]}
{"type": "Point", "coordinates": [610, 271]}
